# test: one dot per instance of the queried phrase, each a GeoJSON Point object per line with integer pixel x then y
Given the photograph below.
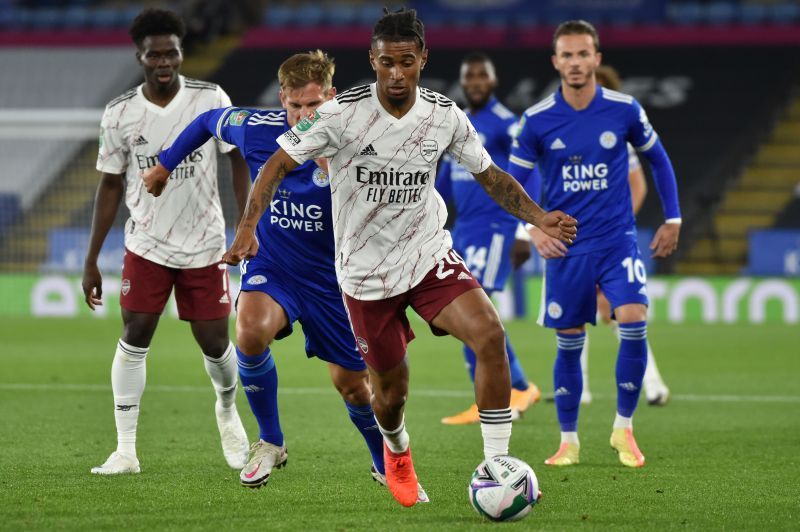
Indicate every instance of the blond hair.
{"type": "Point", "coordinates": [608, 77]}
{"type": "Point", "coordinates": [301, 69]}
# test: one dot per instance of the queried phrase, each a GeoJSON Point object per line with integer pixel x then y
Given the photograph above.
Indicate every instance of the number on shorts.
{"type": "Point", "coordinates": [635, 270]}
{"type": "Point", "coordinates": [476, 259]}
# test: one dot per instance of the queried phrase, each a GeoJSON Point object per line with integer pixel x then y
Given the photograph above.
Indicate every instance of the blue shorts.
{"type": "Point", "coordinates": [569, 298]}
{"type": "Point", "coordinates": [320, 312]}
{"type": "Point", "coordinates": [487, 252]}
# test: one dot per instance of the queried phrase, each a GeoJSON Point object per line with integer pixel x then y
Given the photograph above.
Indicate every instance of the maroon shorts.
{"type": "Point", "coordinates": [381, 327]}
{"type": "Point", "coordinates": [201, 293]}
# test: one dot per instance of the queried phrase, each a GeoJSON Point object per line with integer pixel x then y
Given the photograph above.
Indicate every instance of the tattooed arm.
{"type": "Point", "coordinates": [272, 173]}
{"type": "Point", "coordinates": [509, 194]}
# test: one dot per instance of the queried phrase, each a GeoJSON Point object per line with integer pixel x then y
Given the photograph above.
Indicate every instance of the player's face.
{"type": "Point", "coordinates": [161, 57]}
{"type": "Point", "coordinates": [398, 66]}
{"type": "Point", "coordinates": [303, 101]}
{"type": "Point", "coordinates": [576, 59]}
{"type": "Point", "coordinates": [478, 81]}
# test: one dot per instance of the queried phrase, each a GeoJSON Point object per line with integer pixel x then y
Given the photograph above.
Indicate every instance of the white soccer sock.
{"type": "Point", "coordinates": [622, 422]}
{"type": "Point", "coordinates": [570, 437]}
{"type": "Point", "coordinates": [128, 376]}
{"type": "Point", "coordinates": [585, 363]}
{"type": "Point", "coordinates": [396, 439]}
{"type": "Point", "coordinates": [652, 377]}
{"type": "Point", "coordinates": [224, 374]}
{"type": "Point", "coordinates": [496, 431]}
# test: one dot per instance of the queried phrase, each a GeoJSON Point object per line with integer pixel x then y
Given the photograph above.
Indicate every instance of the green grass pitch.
{"type": "Point", "coordinates": [722, 454]}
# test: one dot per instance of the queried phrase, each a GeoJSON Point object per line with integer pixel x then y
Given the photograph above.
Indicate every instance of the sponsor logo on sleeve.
{"type": "Point", "coordinates": [293, 139]}
{"type": "Point", "coordinates": [238, 118]}
{"type": "Point", "coordinates": [306, 123]}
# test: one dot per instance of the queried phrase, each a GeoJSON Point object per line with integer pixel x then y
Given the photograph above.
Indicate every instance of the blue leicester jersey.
{"type": "Point", "coordinates": [496, 126]}
{"type": "Point", "coordinates": [583, 160]}
{"type": "Point", "coordinates": [296, 232]}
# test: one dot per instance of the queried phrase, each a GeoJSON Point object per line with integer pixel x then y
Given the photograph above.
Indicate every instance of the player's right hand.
{"type": "Point", "coordinates": [92, 285]}
{"type": "Point", "coordinates": [155, 179]}
{"type": "Point", "coordinates": [547, 246]}
{"type": "Point", "coordinates": [244, 246]}
{"type": "Point", "coordinates": [559, 225]}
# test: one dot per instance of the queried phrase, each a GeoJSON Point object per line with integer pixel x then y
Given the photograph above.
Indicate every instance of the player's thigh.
{"type": "Point", "coordinates": [623, 279]}
{"type": "Point", "coordinates": [202, 293]}
{"type": "Point", "coordinates": [145, 287]}
{"type": "Point", "coordinates": [329, 336]}
{"type": "Point", "coordinates": [381, 329]}
{"type": "Point", "coordinates": [472, 318]}
{"type": "Point", "coordinates": [266, 307]}
{"type": "Point", "coordinates": [569, 298]}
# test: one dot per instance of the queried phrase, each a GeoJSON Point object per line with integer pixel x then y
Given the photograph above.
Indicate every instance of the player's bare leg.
{"type": "Point", "coordinates": [472, 318]}
{"type": "Point", "coordinates": [259, 319]}
{"type": "Point", "coordinates": [219, 357]}
{"type": "Point", "coordinates": [128, 376]}
{"type": "Point", "coordinates": [389, 393]}
{"type": "Point", "coordinates": [631, 363]}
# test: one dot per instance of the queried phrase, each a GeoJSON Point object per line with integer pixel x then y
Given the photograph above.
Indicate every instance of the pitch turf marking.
{"type": "Point", "coordinates": [48, 387]}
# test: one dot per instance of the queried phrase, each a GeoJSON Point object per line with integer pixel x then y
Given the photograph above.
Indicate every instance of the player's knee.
{"type": "Point", "coordinates": [631, 313]}
{"type": "Point", "coordinates": [390, 400]}
{"type": "Point", "coordinates": [251, 340]}
{"type": "Point", "coordinates": [490, 338]}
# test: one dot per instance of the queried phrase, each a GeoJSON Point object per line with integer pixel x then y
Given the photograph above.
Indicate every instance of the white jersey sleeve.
{"type": "Point", "coordinates": [113, 153]}
{"type": "Point", "coordinates": [466, 147]}
{"type": "Point", "coordinates": [314, 136]}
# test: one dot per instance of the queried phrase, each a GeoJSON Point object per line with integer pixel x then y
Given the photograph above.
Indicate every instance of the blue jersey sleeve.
{"type": "Point", "coordinates": [640, 133]}
{"type": "Point", "coordinates": [444, 183]}
{"type": "Point", "coordinates": [523, 150]}
{"type": "Point", "coordinates": [664, 178]}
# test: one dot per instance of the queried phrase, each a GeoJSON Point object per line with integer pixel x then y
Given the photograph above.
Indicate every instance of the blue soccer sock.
{"type": "Point", "coordinates": [259, 378]}
{"type": "Point", "coordinates": [518, 379]}
{"type": "Point", "coordinates": [364, 420]}
{"type": "Point", "coordinates": [568, 379]}
{"type": "Point", "coordinates": [631, 363]}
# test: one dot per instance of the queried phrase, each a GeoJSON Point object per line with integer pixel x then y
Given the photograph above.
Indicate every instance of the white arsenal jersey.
{"type": "Point", "coordinates": [184, 227]}
{"type": "Point", "coordinates": [388, 219]}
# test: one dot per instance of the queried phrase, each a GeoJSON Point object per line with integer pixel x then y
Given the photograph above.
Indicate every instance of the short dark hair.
{"type": "Point", "coordinates": [477, 57]}
{"type": "Point", "coordinates": [156, 22]}
{"type": "Point", "coordinates": [399, 26]}
{"type": "Point", "coordinates": [577, 27]}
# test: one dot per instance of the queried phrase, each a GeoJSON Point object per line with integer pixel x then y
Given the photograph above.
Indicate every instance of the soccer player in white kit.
{"type": "Point", "coordinates": [383, 142]}
{"type": "Point", "coordinates": [176, 240]}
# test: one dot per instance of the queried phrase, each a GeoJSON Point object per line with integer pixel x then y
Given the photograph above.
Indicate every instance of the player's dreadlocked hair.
{"type": "Point", "coordinates": [577, 27]}
{"type": "Point", "coordinates": [301, 69]}
{"type": "Point", "coordinates": [399, 26]}
{"type": "Point", "coordinates": [156, 22]}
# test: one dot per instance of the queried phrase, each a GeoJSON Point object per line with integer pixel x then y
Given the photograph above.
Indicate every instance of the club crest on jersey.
{"type": "Point", "coordinates": [608, 139]}
{"type": "Point", "coordinates": [238, 118]}
{"type": "Point", "coordinates": [554, 310]}
{"type": "Point", "coordinates": [306, 123]}
{"type": "Point", "coordinates": [126, 286]}
{"type": "Point", "coordinates": [257, 279]}
{"type": "Point", "coordinates": [362, 344]}
{"type": "Point", "coordinates": [429, 149]}
{"type": "Point", "coordinates": [320, 178]}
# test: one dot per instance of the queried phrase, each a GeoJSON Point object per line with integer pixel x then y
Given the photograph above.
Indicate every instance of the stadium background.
{"type": "Point", "coordinates": [720, 80]}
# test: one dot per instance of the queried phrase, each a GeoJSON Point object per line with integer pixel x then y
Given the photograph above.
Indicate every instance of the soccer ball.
{"type": "Point", "coordinates": [503, 488]}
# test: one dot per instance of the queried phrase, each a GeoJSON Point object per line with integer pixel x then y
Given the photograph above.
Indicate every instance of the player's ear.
{"type": "Point", "coordinates": [598, 58]}
{"type": "Point", "coordinates": [554, 60]}
{"type": "Point", "coordinates": [332, 92]}
{"type": "Point", "coordinates": [372, 60]}
{"type": "Point", "coordinates": [424, 58]}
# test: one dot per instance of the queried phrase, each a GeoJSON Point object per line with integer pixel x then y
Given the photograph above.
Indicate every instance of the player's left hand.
{"type": "Point", "coordinates": [665, 241]}
{"type": "Point", "coordinates": [559, 225]}
{"type": "Point", "coordinates": [155, 179]}
{"type": "Point", "coordinates": [245, 245]}
{"type": "Point", "coordinates": [520, 252]}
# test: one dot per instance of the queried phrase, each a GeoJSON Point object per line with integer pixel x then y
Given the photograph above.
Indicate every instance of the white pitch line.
{"type": "Point", "coordinates": [165, 388]}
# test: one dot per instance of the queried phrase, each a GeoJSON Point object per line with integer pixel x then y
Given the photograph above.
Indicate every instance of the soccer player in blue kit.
{"type": "Point", "coordinates": [577, 137]}
{"type": "Point", "coordinates": [298, 229]}
{"type": "Point", "coordinates": [484, 234]}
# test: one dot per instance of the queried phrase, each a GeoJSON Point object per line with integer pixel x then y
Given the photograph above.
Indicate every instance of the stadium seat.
{"type": "Point", "coordinates": [105, 18]}
{"type": "Point", "coordinates": [76, 17]}
{"type": "Point", "coordinates": [344, 15]}
{"type": "Point", "coordinates": [309, 15]}
{"type": "Point", "coordinates": [276, 16]}
{"type": "Point", "coordinates": [752, 13]}
{"type": "Point", "coordinates": [720, 12]}
{"type": "Point", "coordinates": [685, 13]}
{"type": "Point", "coordinates": [786, 13]}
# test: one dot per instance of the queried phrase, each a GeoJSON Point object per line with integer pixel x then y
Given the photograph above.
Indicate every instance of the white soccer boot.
{"type": "Point", "coordinates": [264, 456]}
{"type": "Point", "coordinates": [118, 464]}
{"type": "Point", "coordinates": [234, 438]}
